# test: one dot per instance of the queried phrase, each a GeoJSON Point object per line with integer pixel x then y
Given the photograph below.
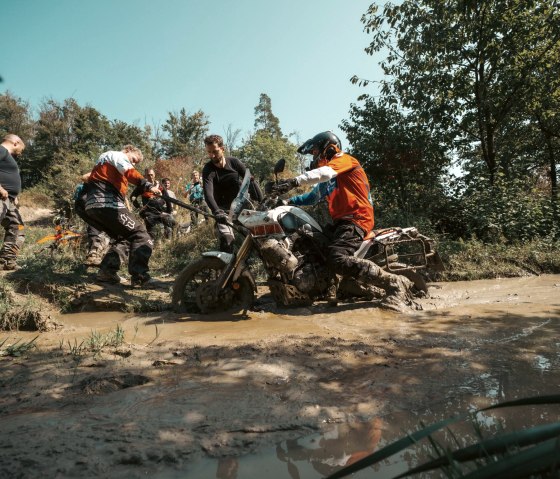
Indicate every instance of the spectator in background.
{"type": "Point", "coordinates": [10, 187]}
{"type": "Point", "coordinates": [166, 185]}
{"type": "Point", "coordinates": [196, 196]}
{"type": "Point", "coordinates": [154, 209]}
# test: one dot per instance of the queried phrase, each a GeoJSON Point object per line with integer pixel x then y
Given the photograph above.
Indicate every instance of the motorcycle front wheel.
{"type": "Point", "coordinates": [191, 284]}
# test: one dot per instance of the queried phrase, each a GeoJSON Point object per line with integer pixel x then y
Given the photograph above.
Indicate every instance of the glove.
{"type": "Point", "coordinates": [281, 202]}
{"type": "Point", "coordinates": [284, 186]}
{"type": "Point", "coordinates": [221, 218]}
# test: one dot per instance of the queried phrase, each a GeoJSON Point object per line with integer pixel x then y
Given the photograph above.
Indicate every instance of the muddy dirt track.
{"type": "Point", "coordinates": [192, 396]}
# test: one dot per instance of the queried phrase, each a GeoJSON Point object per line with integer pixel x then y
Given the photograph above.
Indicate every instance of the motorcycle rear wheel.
{"type": "Point", "coordinates": [200, 273]}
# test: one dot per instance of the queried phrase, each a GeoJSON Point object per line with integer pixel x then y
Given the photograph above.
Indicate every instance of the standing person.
{"type": "Point", "coordinates": [196, 196]}
{"type": "Point", "coordinates": [10, 187]}
{"type": "Point", "coordinates": [155, 209]}
{"type": "Point", "coordinates": [347, 190]}
{"type": "Point", "coordinates": [221, 179]}
{"type": "Point", "coordinates": [166, 185]}
{"type": "Point", "coordinates": [105, 207]}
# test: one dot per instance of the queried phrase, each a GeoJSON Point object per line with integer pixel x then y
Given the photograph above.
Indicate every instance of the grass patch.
{"type": "Point", "coordinates": [470, 260]}
{"type": "Point", "coordinates": [95, 343]}
{"type": "Point", "coordinates": [18, 348]}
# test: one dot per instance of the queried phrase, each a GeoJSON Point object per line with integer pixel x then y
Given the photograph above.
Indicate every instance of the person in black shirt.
{"type": "Point", "coordinates": [221, 179]}
{"type": "Point", "coordinates": [10, 188]}
{"type": "Point", "coordinates": [154, 209]}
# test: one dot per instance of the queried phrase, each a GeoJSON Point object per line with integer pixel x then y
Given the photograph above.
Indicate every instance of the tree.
{"type": "Point", "coordinates": [463, 66]}
{"type": "Point", "coordinates": [185, 134]}
{"type": "Point", "coordinates": [265, 120]}
{"type": "Point", "coordinates": [63, 130]}
{"type": "Point", "coordinates": [266, 144]}
{"type": "Point", "coordinates": [261, 151]}
{"type": "Point", "coordinates": [404, 164]}
{"type": "Point", "coordinates": [15, 117]}
{"type": "Point", "coordinates": [121, 133]}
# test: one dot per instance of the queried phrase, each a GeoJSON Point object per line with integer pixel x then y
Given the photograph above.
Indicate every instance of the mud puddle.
{"type": "Point", "coordinates": [286, 393]}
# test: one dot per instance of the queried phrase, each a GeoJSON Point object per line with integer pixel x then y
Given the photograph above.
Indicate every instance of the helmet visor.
{"type": "Point", "coordinates": [306, 148]}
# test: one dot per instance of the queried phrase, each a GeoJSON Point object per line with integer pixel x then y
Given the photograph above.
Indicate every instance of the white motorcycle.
{"type": "Point", "coordinates": [293, 249]}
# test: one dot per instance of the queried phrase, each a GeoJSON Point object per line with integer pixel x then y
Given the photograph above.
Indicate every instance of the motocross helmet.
{"type": "Point", "coordinates": [321, 142]}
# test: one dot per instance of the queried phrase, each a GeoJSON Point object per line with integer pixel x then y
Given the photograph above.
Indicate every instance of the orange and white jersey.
{"type": "Point", "coordinates": [115, 168]}
{"type": "Point", "coordinates": [349, 199]}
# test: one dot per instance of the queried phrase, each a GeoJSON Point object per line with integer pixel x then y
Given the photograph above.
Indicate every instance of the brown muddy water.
{"type": "Point", "coordinates": [277, 393]}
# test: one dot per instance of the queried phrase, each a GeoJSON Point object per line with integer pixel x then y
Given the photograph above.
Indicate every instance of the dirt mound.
{"type": "Point", "coordinates": [104, 385]}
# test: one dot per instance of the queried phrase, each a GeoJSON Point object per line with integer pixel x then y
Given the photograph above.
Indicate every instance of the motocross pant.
{"type": "Point", "coordinates": [194, 215]}
{"type": "Point", "coordinates": [153, 219]}
{"type": "Point", "coordinates": [14, 238]}
{"type": "Point", "coordinates": [225, 237]}
{"type": "Point", "coordinates": [125, 230]}
{"type": "Point", "coordinates": [347, 239]}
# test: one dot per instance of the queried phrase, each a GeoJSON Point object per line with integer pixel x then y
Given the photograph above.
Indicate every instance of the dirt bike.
{"type": "Point", "coordinates": [293, 249]}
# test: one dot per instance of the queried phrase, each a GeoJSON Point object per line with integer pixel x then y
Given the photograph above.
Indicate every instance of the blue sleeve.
{"type": "Point", "coordinates": [312, 197]}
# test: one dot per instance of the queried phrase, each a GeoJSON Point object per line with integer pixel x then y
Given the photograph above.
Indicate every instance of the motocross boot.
{"type": "Point", "coordinates": [398, 288]}
{"type": "Point", "coordinates": [332, 291]}
{"type": "Point", "coordinates": [93, 257]}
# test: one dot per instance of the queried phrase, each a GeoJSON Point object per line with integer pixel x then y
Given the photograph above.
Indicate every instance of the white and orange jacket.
{"type": "Point", "coordinates": [109, 180]}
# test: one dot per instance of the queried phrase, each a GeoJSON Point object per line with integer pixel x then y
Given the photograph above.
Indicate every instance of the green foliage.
{"type": "Point", "coordinates": [473, 259]}
{"type": "Point", "coordinates": [463, 67]}
{"type": "Point", "coordinates": [261, 151]}
{"type": "Point", "coordinates": [265, 120]}
{"type": "Point", "coordinates": [404, 163]}
{"type": "Point", "coordinates": [184, 134]}
{"type": "Point", "coordinates": [15, 117]}
{"type": "Point", "coordinates": [510, 209]}
{"type": "Point", "coordinates": [266, 145]}
{"type": "Point", "coordinates": [18, 348]}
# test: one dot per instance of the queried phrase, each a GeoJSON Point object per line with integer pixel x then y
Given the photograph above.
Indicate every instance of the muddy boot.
{"type": "Point", "coordinates": [332, 292]}
{"type": "Point", "coordinates": [399, 292]}
{"type": "Point", "coordinates": [104, 276]}
{"type": "Point", "coordinates": [93, 258]}
{"type": "Point", "coordinates": [398, 288]}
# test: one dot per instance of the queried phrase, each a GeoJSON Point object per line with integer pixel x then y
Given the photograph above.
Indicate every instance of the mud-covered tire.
{"type": "Point", "coordinates": [197, 273]}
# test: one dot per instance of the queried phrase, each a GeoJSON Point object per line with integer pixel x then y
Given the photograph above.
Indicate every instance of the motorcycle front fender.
{"type": "Point", "coordinates": [227, 258]}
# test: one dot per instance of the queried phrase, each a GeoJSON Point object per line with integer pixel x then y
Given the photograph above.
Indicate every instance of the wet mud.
{"type": "Point", "coordinates": [286, 393]}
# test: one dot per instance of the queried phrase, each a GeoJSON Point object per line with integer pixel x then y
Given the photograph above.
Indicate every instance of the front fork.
{"type": "Point", "coordinates": [234, 267]}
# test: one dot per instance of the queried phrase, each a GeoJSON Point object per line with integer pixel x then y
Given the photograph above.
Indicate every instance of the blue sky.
{"type": "Point", "coordinates": [135, 60]}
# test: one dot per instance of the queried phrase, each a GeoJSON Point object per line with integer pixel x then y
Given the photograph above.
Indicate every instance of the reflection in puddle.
{"type": "Point", "coordinates": [319, 455]}
{"type": "Point", "coordinates": [542, 363]}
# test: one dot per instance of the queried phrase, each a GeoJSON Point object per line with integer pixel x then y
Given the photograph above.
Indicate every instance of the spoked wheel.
{"type": "Point", "coordinates": [193, 292]}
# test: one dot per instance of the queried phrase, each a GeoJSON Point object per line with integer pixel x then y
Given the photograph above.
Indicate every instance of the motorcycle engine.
{"type": "Point", "coordinates": [277, 254]}
{"type": "Point", "coordinates": [311, 278]}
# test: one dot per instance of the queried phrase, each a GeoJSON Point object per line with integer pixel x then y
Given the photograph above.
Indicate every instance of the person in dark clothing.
{"type": "Point", "coordinates": [105, 208]}
{"type": "Point", "coordinates": [221, 179]}
{"type": "Point", "coordinates": [10, 187]}
{"type": "Point", "coordinates": [154, 210]}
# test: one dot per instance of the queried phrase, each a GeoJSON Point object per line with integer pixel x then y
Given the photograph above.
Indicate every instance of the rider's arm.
{"type": "Point", "coordinates": [339, 164]}
{"type": "Point", "coordinates": [134, 196]}
{"type": "Point", "coordinates": [208, 189]}
{"type": "Point", "coordinates": [310, 198]}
